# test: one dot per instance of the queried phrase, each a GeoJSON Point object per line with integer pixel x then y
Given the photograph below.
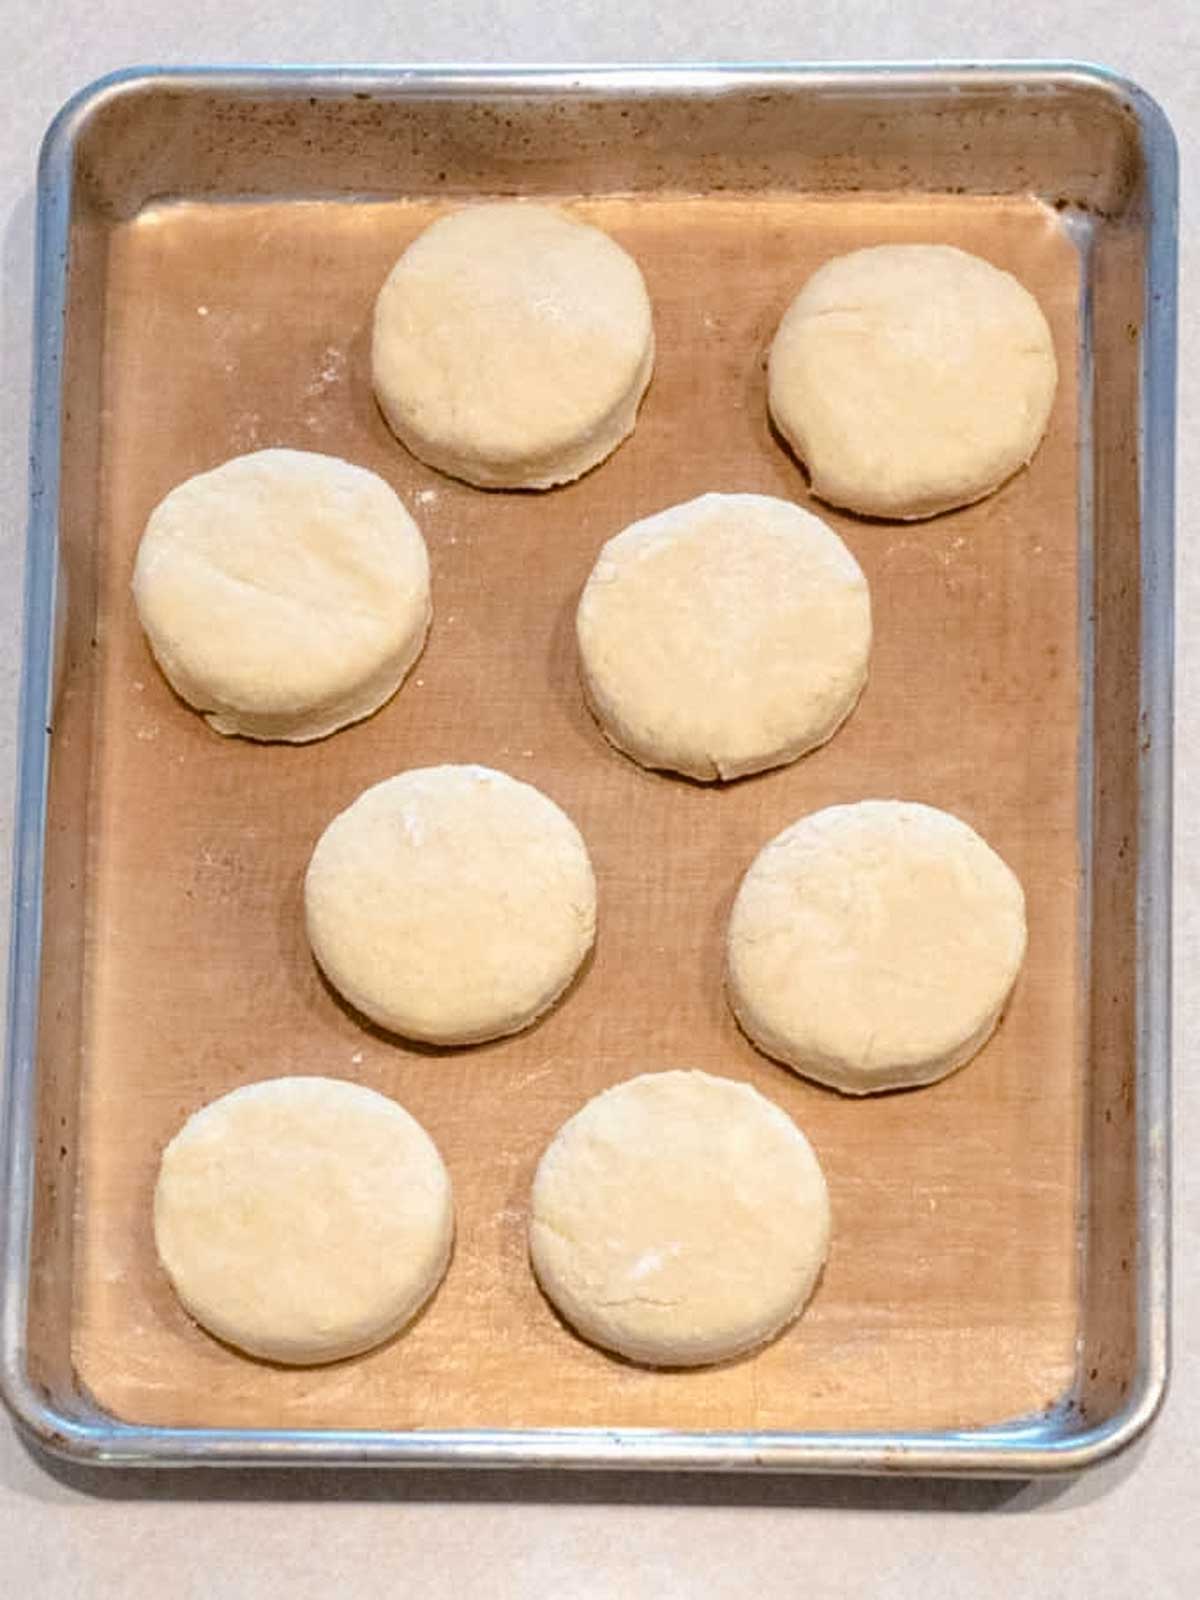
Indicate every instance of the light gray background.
{"type": "Point", "coordinates": [1128, 1530]}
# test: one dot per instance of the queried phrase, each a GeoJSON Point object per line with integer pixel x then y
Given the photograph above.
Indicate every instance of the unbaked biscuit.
{"type": "Point", "coordinates": [303, 1219]}
{"type": "Point", "coordinates": [679, 1219]}
{"type": "Point", "coordinates": [284, 594]}
{"type": "Point", "coordinates": [724, 636]}
{"type": "Point", "coordinates": [911, 378]}
{"type": "Point", "coordinates": [874, 946]}
{"type": "Point", "coordinates": [451, 904]}
{"type": "Point", "coordinates": [512, 345]}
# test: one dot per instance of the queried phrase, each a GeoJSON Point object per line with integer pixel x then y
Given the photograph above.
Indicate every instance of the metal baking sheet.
{"type": "Point", "coordinates": [210, 244]}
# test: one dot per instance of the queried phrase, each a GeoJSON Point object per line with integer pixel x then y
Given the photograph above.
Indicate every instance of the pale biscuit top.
{"type": "Point", "coordinates": [284, 593]}
{"type": "Point", "coordinates": [303, 1219]}
{"type": "Point", "coordinates": [679, 1219]}
{"type": "Point", "coordinates": [724, 636]}
{"type": "Point", "coordinates": [873, 946]}
{"type": "Point", "coordinates": [511, 345]}
{"type": "Point", "coordinates": [451, 904]}
{"type": "Point", "coordinates": [910, 379]}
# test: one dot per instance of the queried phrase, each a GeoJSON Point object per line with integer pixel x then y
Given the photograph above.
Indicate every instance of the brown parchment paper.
{"type": "Point", "coordinates": [950, 1297]}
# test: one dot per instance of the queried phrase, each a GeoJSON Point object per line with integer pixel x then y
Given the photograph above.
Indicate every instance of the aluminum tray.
{"type": "Point", "coordinates": [996, 1301]}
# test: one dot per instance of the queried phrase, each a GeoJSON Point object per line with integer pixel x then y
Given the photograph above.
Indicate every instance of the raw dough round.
{"type": "Point", "coordinates": [512, 346]}
{"type": "Point", "coordinates": [451, 904]}
{"type": "Point", "coordinates": [285, 594]}
{"type": "Point", "coordinates": [679, 1219]}
{"type": "Point", "coordinates": [911, 378]}
{"type": "Point", "coordinates": [873, 946]}
{"type": "Point", "coordinates": [724, 636]}
{"type": "Point", "coordinates": [303, 1219]}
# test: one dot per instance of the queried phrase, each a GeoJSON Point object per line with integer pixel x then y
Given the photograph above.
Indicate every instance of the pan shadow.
{"type": "Point", "coordinates": [553, 1487]}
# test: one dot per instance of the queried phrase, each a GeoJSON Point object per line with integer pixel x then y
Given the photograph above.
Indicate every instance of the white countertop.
{"type": "Point", "coordinates": [1130, 1529]}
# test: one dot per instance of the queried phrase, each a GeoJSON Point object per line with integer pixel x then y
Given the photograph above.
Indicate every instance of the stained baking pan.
{"type": "Point", "coordinates": [209, 246]}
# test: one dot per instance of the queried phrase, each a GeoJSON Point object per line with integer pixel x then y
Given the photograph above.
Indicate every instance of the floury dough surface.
{"type": "Point", "coordinates": [303, 1219]}
{"type": "Point", "coordinates": [285, 594]}
{"type": "Point", "coordinates": [724, 636]}
{"type": "Point", "coordinates": [679, 1219]}
{"type": "Point", "coordinates": [512, 345]}
{"type": "Point", "coordinates": [451, 904]}
{"type": "Point", "coordinates": [874, 946]}
{"type": "Point", "coordinates": [910, 379]}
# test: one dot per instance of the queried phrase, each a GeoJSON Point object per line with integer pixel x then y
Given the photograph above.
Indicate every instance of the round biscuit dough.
{"type": "Point", "coordinates": [874, 946]}
{"type": "Point", "coordinates": [303, 1219]}
{"type": "Point", "coordinates": [451, 904]}
{"type": "Point", "coordinates": [679, 1219]}
{"type": "Point", "coordinates": [910, 379]}
{"type": "Point", "coordinates": [285, 594]}
{"type": "Point", "coordinates": [724, 636]}
{"type": "Point", "coordinates": [512, 345]}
